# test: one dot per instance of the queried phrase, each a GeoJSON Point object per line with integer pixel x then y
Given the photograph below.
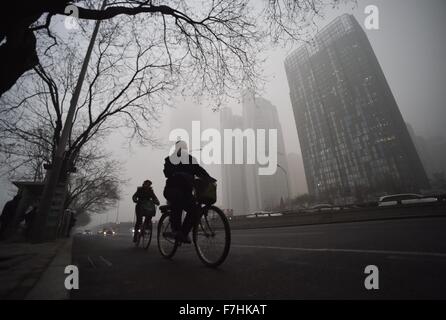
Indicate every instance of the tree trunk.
{"type": "Point", "coordinates": [17, 55]}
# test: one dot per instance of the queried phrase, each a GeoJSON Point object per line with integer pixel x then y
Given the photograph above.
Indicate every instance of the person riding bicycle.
{"type": "Point", "coordinates": [180, 169]}
{"type": "Point", "coordinates": [145, 200]}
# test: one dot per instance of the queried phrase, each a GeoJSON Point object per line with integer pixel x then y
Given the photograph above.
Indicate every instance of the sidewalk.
{"type": "Point", "coordinates": [29, 271]}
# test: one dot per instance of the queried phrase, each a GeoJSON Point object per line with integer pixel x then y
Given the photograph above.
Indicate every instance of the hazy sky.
{"type": "Point", "coordinates": [410, 47]}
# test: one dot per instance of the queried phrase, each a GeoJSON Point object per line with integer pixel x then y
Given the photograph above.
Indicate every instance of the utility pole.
{"type": "Point", "coordinates": [54, 173]}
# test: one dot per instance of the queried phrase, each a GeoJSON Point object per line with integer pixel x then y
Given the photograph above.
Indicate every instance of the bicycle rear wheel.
{"type": "Point", "coordinates": [148, 230]}
{"type": "Point", "coordinates": [212, 237]}
{"type": "Point", "coordinates": [167, 246]}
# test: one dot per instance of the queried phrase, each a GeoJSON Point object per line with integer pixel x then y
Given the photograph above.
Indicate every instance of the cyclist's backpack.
{"type": "Point", "coordinates": [148, 208]}
{"type": "Point", "coordinates": [205, 191]}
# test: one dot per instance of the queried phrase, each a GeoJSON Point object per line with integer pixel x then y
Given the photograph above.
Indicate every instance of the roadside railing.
{"type": "Point", "coordinates": [296, 217]}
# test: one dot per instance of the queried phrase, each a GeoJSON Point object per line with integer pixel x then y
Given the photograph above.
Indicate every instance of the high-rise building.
{"type": "Point", "coordinates": [296, 176]}
{"type": "Point", "coordinates": [233, 182]}
{"type": "Point", "coordinates": [423, 151]}
{"type": "Point", "coordinates": [432, 152]}
{"type": "Point", "coordinates": [353, 138]}
{"type": "Point", "coordinates": [265, 192]}
{"type": "Point", "coordinates": [186, 112]}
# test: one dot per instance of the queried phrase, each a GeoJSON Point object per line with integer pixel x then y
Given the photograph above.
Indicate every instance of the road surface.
{"type": "Point", "coordinates": [305, 262]}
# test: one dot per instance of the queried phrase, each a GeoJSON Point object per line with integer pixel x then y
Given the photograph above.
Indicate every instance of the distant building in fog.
{"type": "Point", "coordinates": [265, 192]}
{"type": "Point", "coordinates": [233, 182]}
{"type": "Point", "coordinates": [423, 151]}
{"type": "Point", "coordinates": [354, 141]}
{"type": "Point", "coordinates": [432, 152]}
{"type": "Point", "coordinates": [185, 113]}
{"type": "Point", "coordinates": [437, 150]}
{"type": "Point", "coordinates": [296, 176]}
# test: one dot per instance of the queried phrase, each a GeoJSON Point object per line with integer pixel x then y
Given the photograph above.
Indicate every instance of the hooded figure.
{"type": "Point", "coordinates": [145, 200]}
{"type": "Point", "coordinates": [180, 169]}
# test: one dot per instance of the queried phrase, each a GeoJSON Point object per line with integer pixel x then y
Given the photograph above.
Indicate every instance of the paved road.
{"type": "Point", "coordinates": [306, 262]}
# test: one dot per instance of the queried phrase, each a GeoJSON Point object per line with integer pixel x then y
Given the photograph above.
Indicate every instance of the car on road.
{"type": "Point", "coordinates": [322, 208]}
{"type": "Point", "coordinates": [87, 232]}
{"type": "Point", "coordinates": [276, 214]}
{"type": "Point", "coordinates": [108, 232]}
{"type": "Point", "coordinates": [259, 214]}
{"type": "Point", "coordinates": [405, 198]}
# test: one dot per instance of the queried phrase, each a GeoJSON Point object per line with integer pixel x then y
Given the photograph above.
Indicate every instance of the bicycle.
{"type": "Point", "coordinates": [144, 235]}
{"type": "Point", "coordinates": [210, 226]}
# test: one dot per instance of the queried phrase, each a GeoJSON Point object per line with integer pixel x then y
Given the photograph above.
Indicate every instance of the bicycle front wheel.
{"type": "Point", "coordinates": [167, 246]}
{"type": "Point", "coordinates": [138, 238]}
{"type": "Point", "coordinates": [212, 237]}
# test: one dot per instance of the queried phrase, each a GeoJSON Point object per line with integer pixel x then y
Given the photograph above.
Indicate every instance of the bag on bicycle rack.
{"type": "Point", "coordinates": [205, 191]}
{"type": "Point", "coordinates": [147, 208]}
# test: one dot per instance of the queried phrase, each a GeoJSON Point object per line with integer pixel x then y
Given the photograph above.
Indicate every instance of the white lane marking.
{"type": "Point", "coordinates": [407, 253]}
{"type": "Point", "coordinates": [260, 234]}
{"type": "Point", "coordinates": [279, 235]}
{"type": "Point", "coordinates": [91, 262]}
{"type": "Point", "coordinates": [108, 263]}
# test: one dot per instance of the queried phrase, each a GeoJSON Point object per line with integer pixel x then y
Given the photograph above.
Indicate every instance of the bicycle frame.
{"type": "Point", "coordinates": [202, 210]}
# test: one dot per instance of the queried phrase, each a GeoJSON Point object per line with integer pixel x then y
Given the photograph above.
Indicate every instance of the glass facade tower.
{"type": "Point", "coordinates": [355, 144]}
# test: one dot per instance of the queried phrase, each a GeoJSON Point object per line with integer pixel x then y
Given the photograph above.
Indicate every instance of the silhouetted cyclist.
{"type": "Point", "coordinates": [145, 200]}
{"type": "Point", "coordinates": [180, 169]}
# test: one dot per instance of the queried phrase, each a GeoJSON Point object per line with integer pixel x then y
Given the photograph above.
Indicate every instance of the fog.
{"type": "Point", "coordinates": [409, 45]}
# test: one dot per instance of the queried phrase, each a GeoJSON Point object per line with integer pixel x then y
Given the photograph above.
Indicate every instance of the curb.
{"type": "Point", "coordinates": [50, 286]}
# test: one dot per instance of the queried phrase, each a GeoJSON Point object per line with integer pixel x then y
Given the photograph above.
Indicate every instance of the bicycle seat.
{"type": "Point", "coordinates": [164, 208]}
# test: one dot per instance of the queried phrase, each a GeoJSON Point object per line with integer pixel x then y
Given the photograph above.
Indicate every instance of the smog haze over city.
{"type": "Point", "coordinates": [302, 140]}
{"type": "Point", "coordinates": [409, 46]}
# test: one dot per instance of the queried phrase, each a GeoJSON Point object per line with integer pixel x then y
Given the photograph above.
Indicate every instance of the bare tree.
{"type": "Point", "coordinates": [126, 86]}
{"type": "Point", "coordinates": [96, 185]}
{"type": "Point", "coordinates": [219, 39]}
